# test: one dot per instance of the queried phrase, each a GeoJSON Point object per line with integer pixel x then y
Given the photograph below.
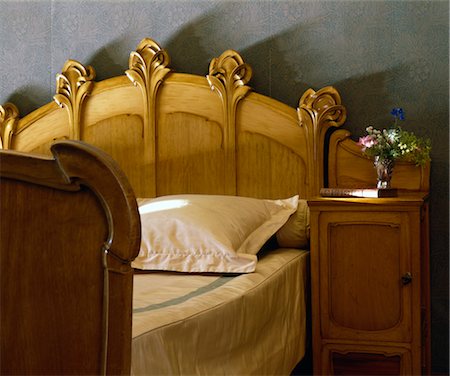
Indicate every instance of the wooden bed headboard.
{"type": "Point", "coordinates": [181, 133]}
{"type": "Point", "coordinates": [173, 132]}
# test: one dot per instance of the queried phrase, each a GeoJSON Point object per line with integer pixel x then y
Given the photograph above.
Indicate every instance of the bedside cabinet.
{"type": "Point", "coordinates": [370, 286]}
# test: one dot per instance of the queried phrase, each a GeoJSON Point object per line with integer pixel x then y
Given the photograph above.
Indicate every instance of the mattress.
{"type": "Point", "coordinates": [197, 324]}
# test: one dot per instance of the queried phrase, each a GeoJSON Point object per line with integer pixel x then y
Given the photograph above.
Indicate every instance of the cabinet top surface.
{"type": "Point", "coordinates": [416, 199]}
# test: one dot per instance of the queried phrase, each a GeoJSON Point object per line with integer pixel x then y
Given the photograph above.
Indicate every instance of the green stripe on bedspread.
{"type": "Point", "coordinates": [181, 299]}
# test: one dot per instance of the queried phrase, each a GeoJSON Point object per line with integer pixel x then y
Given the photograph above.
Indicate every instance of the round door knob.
{"type": "Point", "coordinates": [406, 278]}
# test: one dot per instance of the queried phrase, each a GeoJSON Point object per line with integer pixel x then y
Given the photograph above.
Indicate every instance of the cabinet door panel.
{"type": "Point", "coordinates": [364, 274]}
{"type": "Point", "coordinates": [363, 258]}
{"type": "Point", "coordinates": [365, 364]}
{"type": "Point", "coordinates": [347, 359]}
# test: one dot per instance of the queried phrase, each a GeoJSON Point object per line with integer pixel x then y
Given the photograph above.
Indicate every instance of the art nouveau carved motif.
{"type": "Point", "coordinates": [147, 69]}
{"type": "Point", "coordinates": [228, 76]}
{"type": "Point", "coordinates": [72, 87]}
{"type": "Point", "coordinates": [9, 115]}
{"type": "Point", "coordinates": [317, 112]}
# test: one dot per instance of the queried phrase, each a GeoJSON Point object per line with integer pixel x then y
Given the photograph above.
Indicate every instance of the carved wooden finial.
{"type": "Point", "coordinates": [9, 116]}
{"type": "Point", "coordinates": [324, 106]}
{"type": "Point", "coordinates": [317, 112]}
{"type": "Point", "coordinates": [72, 87]}
{"type": "Point", "coordinates": [148, 66]}
{"type": "Point", "coordinates": [147, 69]}
{"type": "Point", "coordinates": [228, 77]}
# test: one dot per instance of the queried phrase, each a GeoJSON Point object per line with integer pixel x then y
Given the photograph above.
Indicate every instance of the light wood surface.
{"type": "Point", "coordinates": [174, 132]}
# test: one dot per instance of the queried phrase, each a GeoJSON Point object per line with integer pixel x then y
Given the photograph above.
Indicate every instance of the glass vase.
{"type": "Point", "coordinates": [384, 168]}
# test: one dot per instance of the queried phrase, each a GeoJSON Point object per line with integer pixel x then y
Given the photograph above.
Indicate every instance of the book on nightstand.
{"type": "Point", "coordinates": [358, 192]}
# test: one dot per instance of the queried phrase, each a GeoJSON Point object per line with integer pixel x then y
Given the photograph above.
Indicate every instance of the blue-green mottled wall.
{"type": "Point", "coordinates": [378, 54]}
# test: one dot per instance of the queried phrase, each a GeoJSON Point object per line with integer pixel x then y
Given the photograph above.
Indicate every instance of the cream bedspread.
{"type": "Point", "coordinates": [222, 325]}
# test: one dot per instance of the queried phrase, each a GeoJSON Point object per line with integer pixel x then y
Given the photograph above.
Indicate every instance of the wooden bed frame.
{"type": "Point", "coordinates": [169, 133]}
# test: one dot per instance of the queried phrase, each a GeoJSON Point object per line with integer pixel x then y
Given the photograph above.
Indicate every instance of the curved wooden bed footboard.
{"type": "Point", "coordinates": [69, 231]}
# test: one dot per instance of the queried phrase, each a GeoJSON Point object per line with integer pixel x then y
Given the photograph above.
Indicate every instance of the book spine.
{"type": "Point", "coordinates": [340, 192]}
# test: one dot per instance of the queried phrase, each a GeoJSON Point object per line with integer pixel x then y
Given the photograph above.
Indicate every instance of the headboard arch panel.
{"type": "Point", "coordinates": [271, 149]}
{"type": "Point", "coordinates": [176, 132]}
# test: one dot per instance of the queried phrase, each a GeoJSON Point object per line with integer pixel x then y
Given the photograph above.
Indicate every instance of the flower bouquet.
{"type": "Point", "coordinates": [391, 144]}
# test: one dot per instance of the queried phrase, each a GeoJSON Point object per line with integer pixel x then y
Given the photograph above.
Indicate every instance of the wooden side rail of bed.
{"type": "Point", "coordinates": [69, 231]}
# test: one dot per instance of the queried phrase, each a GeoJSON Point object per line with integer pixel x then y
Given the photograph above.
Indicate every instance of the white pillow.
{"type": "Point", "coordinates": [207, 233]}
{"type": "Point", "coordinates": [295, 232]}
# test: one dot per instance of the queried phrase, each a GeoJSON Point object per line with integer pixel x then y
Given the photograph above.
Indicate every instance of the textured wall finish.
{"type": "Point", "coordinates": [378, 54]}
